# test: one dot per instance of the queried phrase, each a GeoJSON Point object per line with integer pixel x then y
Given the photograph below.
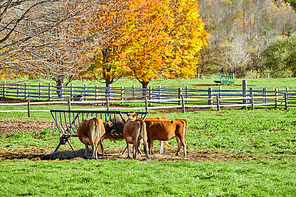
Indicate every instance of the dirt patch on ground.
{"type": "Point", "coordinates": [9, 100]}
{"type": "Point", "coordinates": [110, 154]}
{"type": "Point", "coordinates": [8, 126]}
{"type": "Point", "coordinates": [116, 154]}
{"type": "Point", "coordinates": [36, 154]}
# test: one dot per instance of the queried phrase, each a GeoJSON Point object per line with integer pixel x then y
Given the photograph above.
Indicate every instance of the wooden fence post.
{"type": "Point", "coordinates": [252, 101]}
{"type": "Point", "coordinates": [122, 94]}
{"type": "Point", "coordinates": [85, 92]}
{"type": "Point", "coordinates": [150, 95]}
{"type": "Point", "coordinates": [251, 94]}
{"type": "Point", "coordinates": [179, 95]}
{"type": "Point", "coordinates": [276, 100]}
{"type": "Point", "coordinates": [96, 92]}
{"type": "Point", "coordinates": [69, 103]}
{"type": "Point", "coordinates": [4, 89]}
{"type": "Point", "coordinates": [146, 104]}
{"type": "Point", "coordinates": [287, 98]}
{"type": "Point", "coordinates": [183, 104]}
{"type": "Point", "coordinates": [72, 91]}
{"type": "Point", "coordinates": [26, 91]}
{"type": "Point", "coordinates": [244, 92]}
{"type": "Point", "coordinates": [218, 103]}
{"type": "Point", "coordinates": [109, 91]}
{"type": "Point", "coordinates": [220, 95]}
{"type": "Point", "coordinates": [60, 91]}
{"type": "Point", "coordinates": [40, 90]}
{"type": "Point", "coordinates": [18, 90]}
{"type": "Point", "coordinates": [159, 94]}
{"type": "Point", "coordinates": [29, 113]}
{"type": "Point", "coordinates": [107, 103]}
{"type": "Point", "coordinates": [264, 91]}
{"type": "Point", "coordinates": [134, 92]}
{"type": "Point", "coordinates": [210, 102]}
{"type": "Point", "coordinates": [49, 91]}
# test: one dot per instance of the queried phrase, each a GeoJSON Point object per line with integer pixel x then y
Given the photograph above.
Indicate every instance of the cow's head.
{"type": "Point", "coordinates": [109, 127]}
{"type": "Point", "coordinates": [132, 115]}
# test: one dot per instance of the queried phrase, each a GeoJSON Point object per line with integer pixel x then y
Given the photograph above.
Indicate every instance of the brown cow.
{"type": "Point", "coordinates": [133, 131]}
{"type": "Point", "coordinates": [160, 142]}
{"type": "Point", "coordinates": [166, 130]}
{"type": "Point", "coordinates": [90, 132]}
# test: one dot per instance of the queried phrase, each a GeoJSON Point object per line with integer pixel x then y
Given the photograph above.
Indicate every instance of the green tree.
{"type": "Point", "coordinates": [280, 58]}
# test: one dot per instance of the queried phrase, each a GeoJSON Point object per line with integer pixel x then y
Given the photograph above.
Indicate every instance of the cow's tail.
{"type": "Point", "coordinates": [144, 136]}
{"type": "Point", "coordinates": [94, 128]}
{"type": "Point", "coordinates": [185, 129]}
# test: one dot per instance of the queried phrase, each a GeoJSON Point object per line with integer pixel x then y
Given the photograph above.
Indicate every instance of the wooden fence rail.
{"type": "Point", "coordinates": [152, 97]}
{"type": "Point", "coordinates": [217, 102]}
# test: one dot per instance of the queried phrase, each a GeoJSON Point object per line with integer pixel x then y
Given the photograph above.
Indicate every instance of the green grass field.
{"type": "Point", "coordinates": [257, 84]}
{"type": "Point", "coordinates": [265, 139]}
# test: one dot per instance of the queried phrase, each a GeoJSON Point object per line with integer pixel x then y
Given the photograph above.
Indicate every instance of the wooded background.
{"type": "Point", "coordinates": [100, 40]}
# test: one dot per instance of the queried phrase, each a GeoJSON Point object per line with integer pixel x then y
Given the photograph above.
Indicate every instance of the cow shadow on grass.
{"type": "Point", "coordinates": [73, 155]}
{"type": "Point", "coordinates": [48, 154]}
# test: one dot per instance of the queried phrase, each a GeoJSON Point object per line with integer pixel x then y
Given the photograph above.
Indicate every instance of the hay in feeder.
{"type": "Point", "coordinates": [118, 124]}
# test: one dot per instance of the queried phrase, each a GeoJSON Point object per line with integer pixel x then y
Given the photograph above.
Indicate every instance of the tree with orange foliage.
{"type": "Point", "coordinates": [146, 39]}
{"type": "Point", "coordinates": [164, 38]}
{"type": "Point", "coordinates": [104, 55]}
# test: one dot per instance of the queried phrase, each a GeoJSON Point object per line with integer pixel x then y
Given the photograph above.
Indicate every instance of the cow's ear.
{"type": "Point", "coordinates": [135, 115]}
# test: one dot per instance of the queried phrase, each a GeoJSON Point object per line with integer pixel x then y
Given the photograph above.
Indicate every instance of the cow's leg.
{"type": "Point", "coordinates": [135, 148]}
{"type": "Point", "coordinates": [102, 147]}
{"type": "Point", "coordinates": [150, 144]}
{"type": "Point", "coordinates": [139, 144]}
{"type": "Point", "coordinates": [94, 142]}
{"type": "Point", "coordinates": [160, 147]}
{"type": "Point", "coordinates": [184, 144]}
{"type": "Point", "coordinates": [179, 145]}
{"type": "Point", "coordinates": [95, 151]}
{"type": "Point", "coordinates": [128, 150]}
{"type": "Point", "coordinates": [124, 150]}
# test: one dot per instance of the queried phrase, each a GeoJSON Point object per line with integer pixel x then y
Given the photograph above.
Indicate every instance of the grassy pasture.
{"type": "Point", "coordinates": [265, 139]}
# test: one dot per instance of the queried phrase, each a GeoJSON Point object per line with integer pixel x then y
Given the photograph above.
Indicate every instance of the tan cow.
{"type": "Point", "coordinates": [133, 131]}
{"type": "Point", "coordinates": [166, 130]}
{"type": "Point", "coordinates": [90, 132]}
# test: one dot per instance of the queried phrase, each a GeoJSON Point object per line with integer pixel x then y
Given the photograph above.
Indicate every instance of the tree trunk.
{"type": "Point", "coordinates": [59, 82]}
{"type": "Point", "coordinates": [144, 86]}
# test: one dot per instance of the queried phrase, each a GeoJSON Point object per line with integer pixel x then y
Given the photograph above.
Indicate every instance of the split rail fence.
{"type": "Point", "coordinates": [154, 98]}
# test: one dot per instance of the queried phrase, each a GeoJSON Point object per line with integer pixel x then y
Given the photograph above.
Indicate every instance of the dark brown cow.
{"type": "Point", "coordinates": [133, 131]}
{"type": "Point", "coordinates": [90, 132]}
{"type": "Point", "coordinates": [165, 130]}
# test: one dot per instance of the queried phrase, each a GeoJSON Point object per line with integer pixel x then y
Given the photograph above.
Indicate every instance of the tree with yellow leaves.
{"type": "Point", "coordinates": [164, 38]}
{"type": "Point", "coordinates": [147, 39]}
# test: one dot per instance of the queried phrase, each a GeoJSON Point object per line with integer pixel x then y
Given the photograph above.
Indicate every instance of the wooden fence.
{"type": "Point", "coordinates": [154, 98]}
